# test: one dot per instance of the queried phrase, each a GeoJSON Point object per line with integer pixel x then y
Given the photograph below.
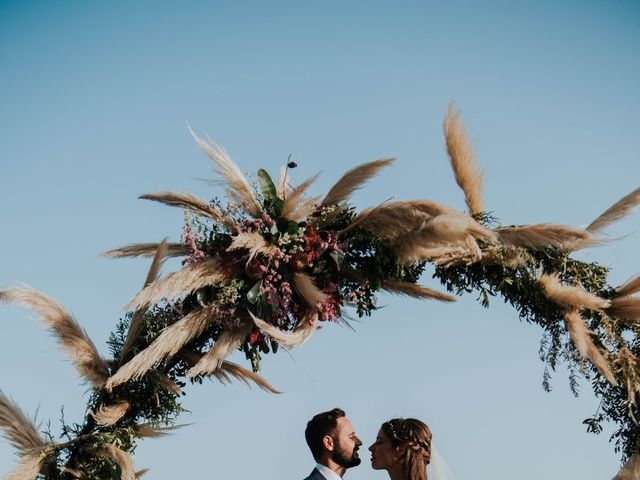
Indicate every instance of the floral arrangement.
{"type": "Point", "coordinates": [266, 269]}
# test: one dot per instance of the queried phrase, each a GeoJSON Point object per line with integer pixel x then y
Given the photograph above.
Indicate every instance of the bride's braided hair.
{"type": "Point", "coordinates": [415, 436]}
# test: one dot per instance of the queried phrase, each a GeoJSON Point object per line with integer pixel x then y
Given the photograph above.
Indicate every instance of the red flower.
{"type": "Point", "coordinates": [254, 337]}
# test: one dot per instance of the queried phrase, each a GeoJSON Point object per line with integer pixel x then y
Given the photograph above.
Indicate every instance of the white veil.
{"type": "Point", "coordinates": [439, 469]}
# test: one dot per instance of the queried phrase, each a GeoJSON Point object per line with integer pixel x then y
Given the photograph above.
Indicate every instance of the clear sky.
{"type": "Point", "coordinates": [95, 99]}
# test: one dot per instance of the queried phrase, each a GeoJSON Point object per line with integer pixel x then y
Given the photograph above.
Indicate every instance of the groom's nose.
{"type": "Point", "coordinates": [358, 442]}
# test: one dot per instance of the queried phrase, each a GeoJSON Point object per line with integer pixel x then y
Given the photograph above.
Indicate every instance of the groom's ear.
{"type": "Point", "coordinates": [327, 443]}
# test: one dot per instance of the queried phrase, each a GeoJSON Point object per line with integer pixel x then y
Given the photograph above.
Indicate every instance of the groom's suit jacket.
{"type": "Point", "coordinates": [315, 475]}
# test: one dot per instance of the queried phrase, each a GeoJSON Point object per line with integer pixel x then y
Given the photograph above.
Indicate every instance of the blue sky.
{"type": "Point", "coordinates": [96, 99]}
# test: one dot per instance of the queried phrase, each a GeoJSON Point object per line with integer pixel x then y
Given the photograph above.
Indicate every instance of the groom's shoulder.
{"type": "Point", "coordinates": [315, 475]}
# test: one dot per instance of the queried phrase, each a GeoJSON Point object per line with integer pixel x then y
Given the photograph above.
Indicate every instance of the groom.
{"type": "Point", "coordinates": [333, 444]}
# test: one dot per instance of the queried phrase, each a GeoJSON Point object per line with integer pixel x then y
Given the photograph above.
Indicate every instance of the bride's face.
{"type": "Point", "coordinates": [383, 454]}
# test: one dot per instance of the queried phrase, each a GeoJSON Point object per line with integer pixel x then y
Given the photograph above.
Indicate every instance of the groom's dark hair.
{"type": "Point", "coordinates": [320, 425]}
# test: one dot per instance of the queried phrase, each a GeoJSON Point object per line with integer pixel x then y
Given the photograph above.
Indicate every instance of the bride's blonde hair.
{"type": "Point", "coordinates": [415, 436]}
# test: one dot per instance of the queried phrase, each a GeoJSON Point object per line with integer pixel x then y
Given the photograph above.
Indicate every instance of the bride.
{"type": "Point", "coordinates": [403, 448]}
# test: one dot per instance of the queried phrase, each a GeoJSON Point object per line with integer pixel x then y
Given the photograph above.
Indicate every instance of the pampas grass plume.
{"type": "Point", "coordinates": [468, 175]}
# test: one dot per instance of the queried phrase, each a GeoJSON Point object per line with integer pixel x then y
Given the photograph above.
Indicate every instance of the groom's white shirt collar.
{"type": "Point", "coordinates": [327, 472]}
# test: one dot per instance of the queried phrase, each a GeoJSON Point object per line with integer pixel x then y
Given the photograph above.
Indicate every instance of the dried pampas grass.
{"type": "Point", "coordinates": [108, 415]}
{"type": "Point", "coordinates": [616, 212]}
{"type": "Point", "coordinates": [166, 345]}
{"type": "Point", "coordinates": [578, 331]}
{"type": "Point", "coordinates": [468, 175]}
{"type": "Point", "coordinates": [28, 467]}
{"type": "Point", "coordinates": [631, 469]}
{"type": "Point", "coordinates": [293, 207]}
{"type": "Point", "coordinates": [74, 340]}
{"type": "Point", "coordinates": [237, 186]}
{"type": "Point", "coordinates": [147, 431]}
{"type": "Point", "coordinates": [284, 185]}
{"type": "Point", "coordinates": [165, 382]}
{"type": "Point", "coordinates": [137, 320]}
{"type": "Point", "coordinates": [192, 203]}
{"type": "Point", "coordinates": [354, 179]}
{"type": "Point", "coordinates": [254, 242]}
{"type": "Point", "coordinates": [390, 220]}
{"type": "Point", "coordinates": [445, 238]}
{"type": "Point", "coordinates": [141, 473]}
{"type": "Point", "coordinates": [148, 250]}
{"type": "Point", "coordinates": [414, 290]}
{"type": "Point", "coordinates": [629, 288]}
{"type": "Point", "coordinates": [305, 287]}
{"type": "Point", "coordinates": [569, 295]}
{"type": "Point", "coordinates": [545, 235]}
{"type": "Point", "coordinates": [300, 335]}
{"type": "Point", "coordinates": [72, 472]}
{"type": "Point", "coordinates": [229, 369]}
{"type": "Point", "coordinates": [21, 433]}
{"type": "Point", "coordinates": [178, 284]}
{"type": "Point", "coordinates": [625, 308]}
{"type": "Point", "coordinates": [117, 456]}
{"type": "Point", "coordinates": [228, 341]}
{"type": "Point", "coordinates": [582, 339]}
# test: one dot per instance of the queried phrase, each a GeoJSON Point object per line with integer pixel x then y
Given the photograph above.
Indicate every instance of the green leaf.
{"type": "Point", "coordinates": [266, 185]}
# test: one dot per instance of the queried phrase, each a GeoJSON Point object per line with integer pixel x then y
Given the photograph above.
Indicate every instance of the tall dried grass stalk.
{"type": "Point", "coordinates": [626, 308]}
{"type": "Point", "coordinates": [229, 369]}
{"type": "Point", "coordinates": [284, 185]}
{"type": "Point", "coordinates": [414, 290]}
{"type": "Point", "coordinates": [27, 468]}
{"type": "Point", "coordinates": [569, 295]}
{"type": "Point", "coordinates": [582, 339]}
{"type": "Point", "coordinates": [629, 288]}
{"type": "Point", "coordinates": [616, 212]}
{"type": "Point", "coordinates": [600, 362]}
{"type": "Point", "coordinates": [228, 341]}
{"type": "Point", "coordinates": [148, 250]}
{"type": "Point", "coordinates": [147, 431]}
{"type": "Point", "coordinates": [141, 473]}
{"type": "Point", "coordinates": [117, 456]}
{"type": "Point", "coordinates": [578, 331]}
{"type": "Point", "coordinates": [165, 382]}
{"type": "Point", "coordinates": [254, 242]}
{"type": "Point", "coordinates": [285, 339]}
{"type": "Point", "coordinates": [354, 179]}
{"type": "Point", "coordinates": [137, 320]}
{"type": "Point", "coordinates": [21, 433]}
{"type": "Point", "coordinates": [455, 226]}
{"type": "Point", "coordinates": [467, 173]}
{"type": "Point", "coordinates": [192, 203]}
{"type": "Point", "coordinates": [178, 284]}
{"type": "Point", "coordinates": [237, 186]}
{"type": "Point", "coordinates": [305, 287]}
{"type": "Point", "coordinates": [304, 209]}
{"type": "Point", "coordinates": [544, 235]}
{"type": "Point", "coordinates": [451, 237]}
{"type": "Point", "coordinates": [389, 221]}
{"type": "Point", "coordinates": [108, 415]}
{"type": "Point", "coordinates": [166, 345]}
{"type": "Point", "coordinates": [292, 202]}
{"type": "Point", "coordinates": [508, 255]}
{"type": "Point", "coordinates": [73, 339]}
{"type": "Point", "coordinates": [631, 469]}
{"type": "Point", "coordinates": [72, 472]}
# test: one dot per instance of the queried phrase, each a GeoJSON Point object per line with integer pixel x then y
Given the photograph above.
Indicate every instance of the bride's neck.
{"type": "Point", "coordinates": [395, 472]}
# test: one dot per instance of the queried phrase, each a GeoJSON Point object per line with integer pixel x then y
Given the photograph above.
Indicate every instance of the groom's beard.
{"type": "Point", "coordinates": [345, 458]}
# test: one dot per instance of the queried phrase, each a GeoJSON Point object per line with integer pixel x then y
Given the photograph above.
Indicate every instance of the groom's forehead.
{"type": "Point", "coordinates": [344, 425]}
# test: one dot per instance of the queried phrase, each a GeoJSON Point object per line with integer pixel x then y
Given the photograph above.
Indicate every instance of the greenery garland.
{"type": "Point", "coordinates": [261, 272]}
